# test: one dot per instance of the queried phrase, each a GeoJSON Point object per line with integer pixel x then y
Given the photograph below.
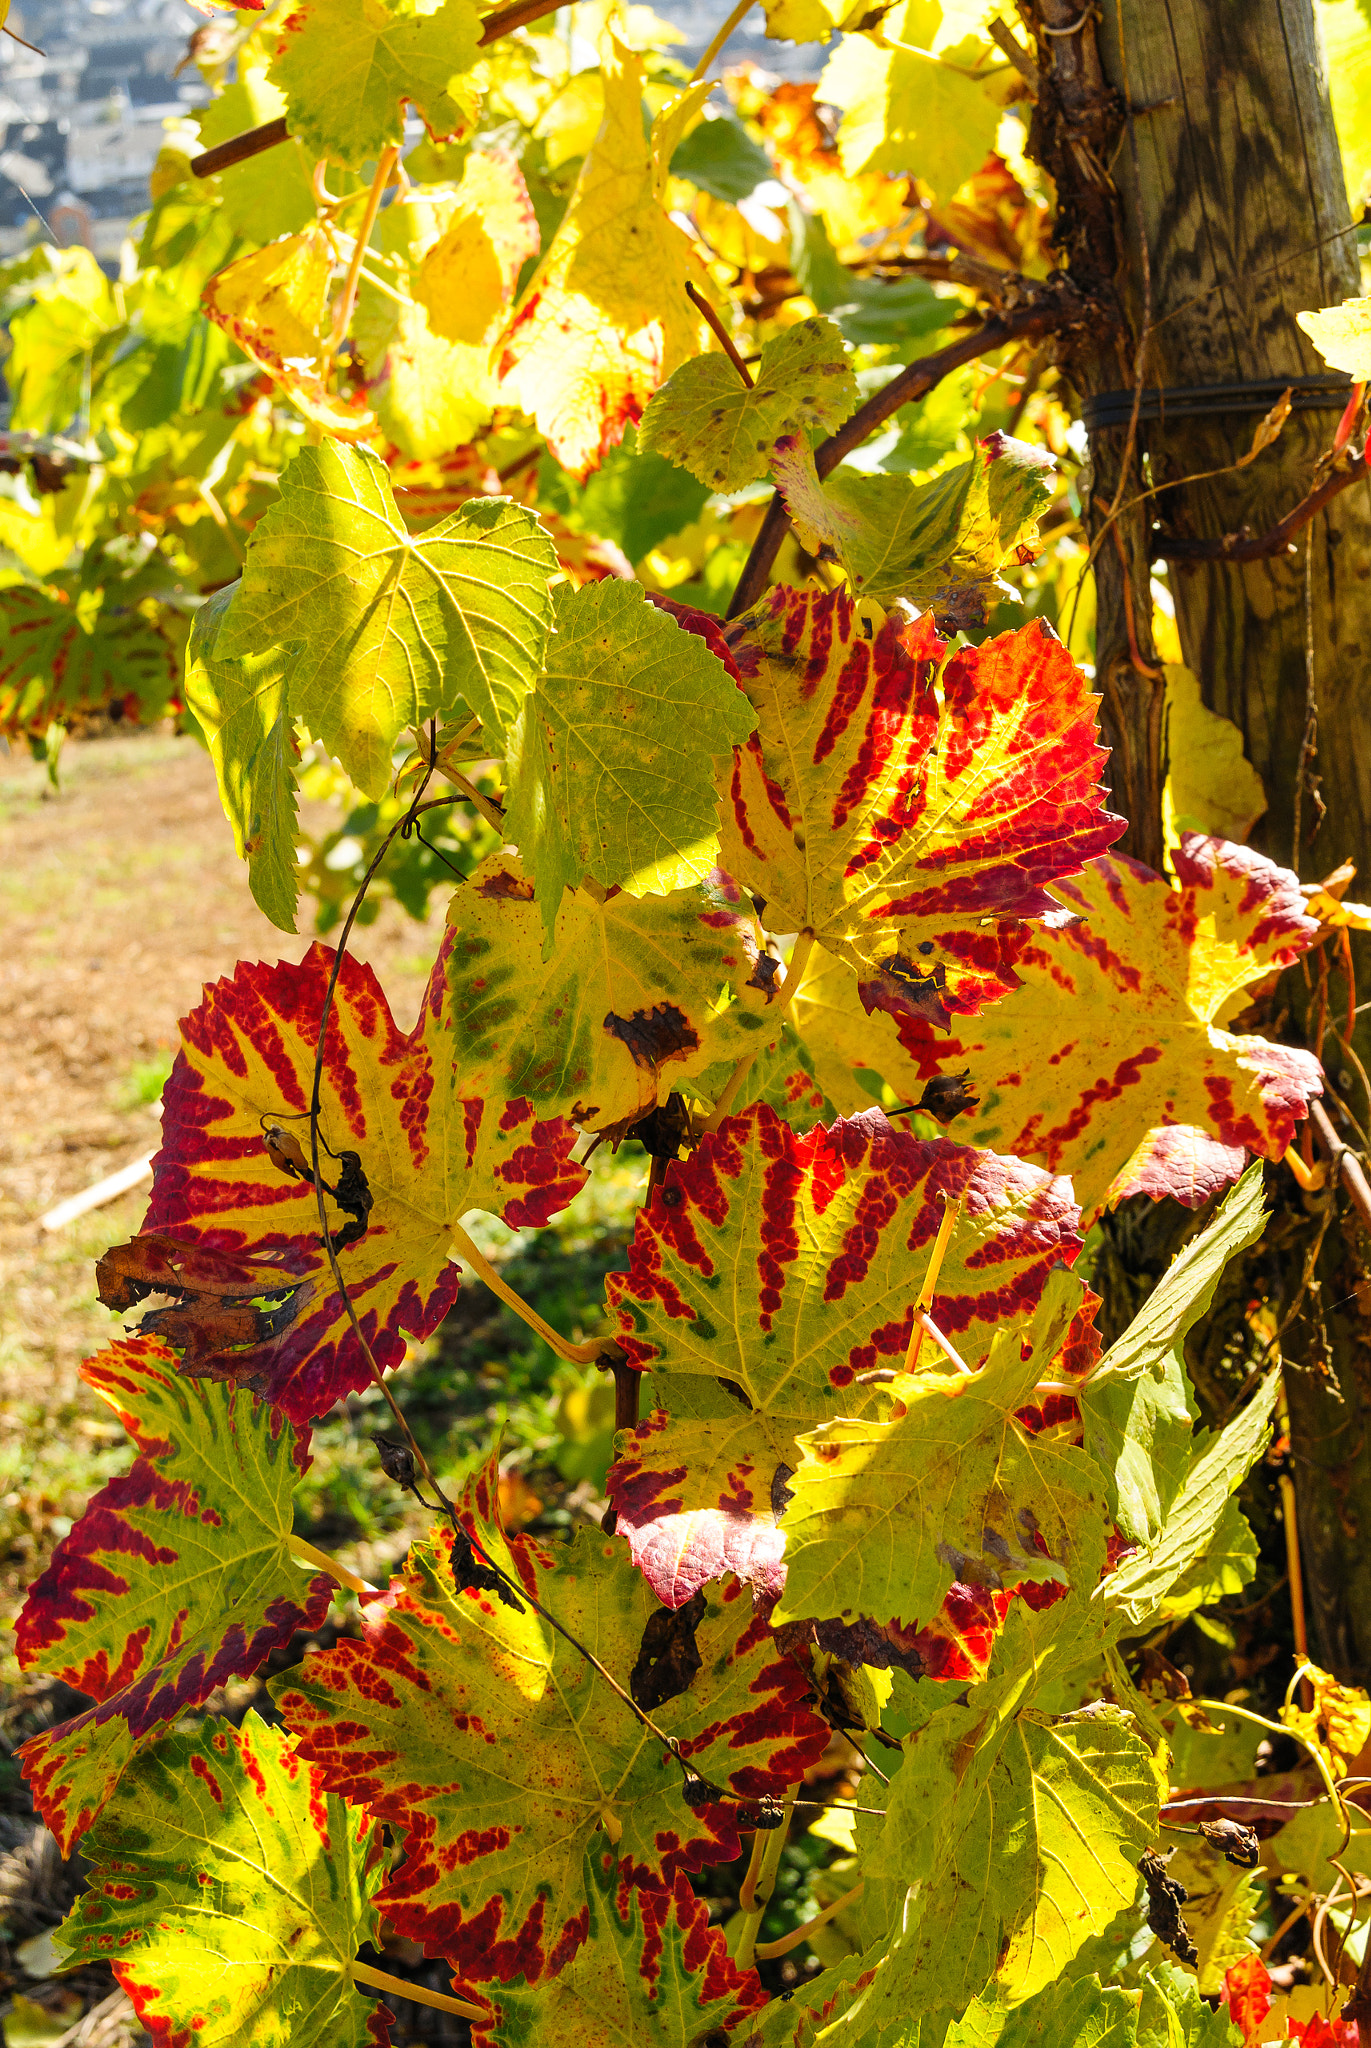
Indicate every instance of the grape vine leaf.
{"type": "Point", "coordinates": [176, 1578]}
{"type": "Point", "coordinates": [244, 715]}
{"type": "Point", "coordinates": [466, 280]}
{"type": "Point", "coordinates": [789, 1265]}
{"type": "Point", "coordinates": [634, 999]}
{"type": "Point", "coordinates": [500, 1756]}
{"type": "Point", "coordinates": [939, 544]}
{"type": "Point", "coordinates": [708, 421]}
{"type": "Point", "coordinates": [1342, 336]}
{"type": "Point", "coordinates": [1112, 1056]}
{"type": "Point", "coordinates": [944, 1482]}
{"type": "Point", "coordinates": [386, 630]}
{"type": "Point", "coordinates": [1137, 1409]}
{"type": "Point", "coordinates": [1198, 1530]}
{"type": "Point", "coordinates": [231, 1894]}
{"type": "Point", "coordinates": [345, 68]}
{"type": "Point", "coordinates": [430, 1148]}
{"type": "Point", "coordinates": [610, 769]}
{"type": "Point", "coordinates": [650, 1975]}
{"type": "Point", "coordinates": [270, 194]}
{"type": "Point", "coordinates": [272, 302]}
{"type": "Point", "coordinates": [906, 110]}
{"type": "Point", "coordinates": [605, 318]}
{"type": "Point", "coordinates": [58, 662]}
{"type": "Point", "coordinates": [898, 800]}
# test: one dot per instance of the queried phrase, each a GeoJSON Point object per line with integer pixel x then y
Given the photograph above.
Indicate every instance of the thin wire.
{"type": "Point", "coordinates": [1311, 710]}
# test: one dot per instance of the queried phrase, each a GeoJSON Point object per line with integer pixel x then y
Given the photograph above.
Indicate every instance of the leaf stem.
{"type": "Point", "coordinates": [716, 43]}
{"type": "Point", "coordinates": [471, 1255]}
{"type": "Point", "coordinates": [1281, 1728]}
{"type": "Point", "coordinates": [491, 812]}
{"type": "Point", "coordinates": [506, 19]}
{"type": "Point", "coordinates": [385, 171]}
{"type": "Point", "coordinates": [320, 1559]}
{"type": "Point", "coordinates": [951, 1211]}
{"type": "Point", "coordinates": [767, 1951]}
{"type": "Point", "coordinates": [396, 1987]}
{"type": "Point", "coordinates": [721, 333]}
{"type": "Point", "coordinates": [763, 1886]}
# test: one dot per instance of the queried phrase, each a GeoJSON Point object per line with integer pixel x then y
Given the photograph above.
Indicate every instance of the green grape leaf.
{"type": "Point", "coordinates": [231, 1895]}
{"type": "Point", "coordinates": [945, 1482]}
{"type": "Point", "coordinates": [58, 662]}
{"type": "Point", "coordinates": [269, 194]}
{"type": "Point", "coordinates": [386, 630]}
{"type": "Point", "coordinates": [1111, 1055]}
{"type": "Point", "coordinates": [345, 68]}
{"type": "Point", "coordinates": [1072, 2013]}
{"type": "Point", "coordinates": [1222, 1901]}
{"type": "Point", "coordinates": [939, 544]}
{"type": "Point", "coordinates": [1199, 1520]}
{"type": "Point", "coordinates": [610, 771]}
{"type": "Point", "coordinates": [244, 715]}
{"type": "Point", "coordinates": [708, 421]}
{"type": "Point", "coordinates": [177, 1578]}
{"type": "Point", "coordinates": [227, 1227]}
{"type": "Point", "coordinates": [501, 1757]}
{"type": "Point", "coordinates": [637, 997]}
{"type": "Point", "coordinates": [1174, 2015]}
{"type": "Point", "coordinates": [908, 111]}
{"type": "Point", "coordinates": [1018, 1834]}
{"type": "Point", "coordinates": [651, 1974]}
{"type": "Point", "coordinates": [789, 1265]}
{"type": "Point", "coordinates": [1138, 1411]}
{"type": "Point", "coordinates": [898, 798]}
{"type": "Point", "coordinates": [722, 159]}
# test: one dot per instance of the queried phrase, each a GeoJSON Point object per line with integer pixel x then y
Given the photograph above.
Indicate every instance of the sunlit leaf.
{"type": "Point", "coordinates": [500, 1757]}
{"type": "Point", "coordinates": [384, 629]}
{"type": "Point", "coordinates": [231, 1894]}
{"type": "Point", "coordinates": [899, 800]}
{"type": "Point", "coordinates": [466, 280]}
{"type": "Point", "coordinates": [273, 304]}
{"type": "Point", "coordinates": [1211, 786]}
{"type": "Point", "coordinates": [269, 194]}
{"type": "Point", "coordinates": [429, 1146]}
{"type": "Point", "coordinates": [710, 423]}
{"type": "Point", "coordinates": [605, 318]}
{"type": "Point", "coordinates": [650, 1975]}
{"type": "Point", "coordinates": [345, 66]}
{"type": "Point", "coordinates": [909, 111]}
{"type": "Point", "coordinates": [1342, 336]}
{"type": "Point", "coordinates": [176, 1578]}
{"type": "Point", "coordinates": [58, 662]}
{"type": "Point", "coordinates": [610, 770]}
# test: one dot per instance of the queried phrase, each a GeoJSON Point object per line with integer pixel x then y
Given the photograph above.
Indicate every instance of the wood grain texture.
{"type": "Point", "coordinates": [1238, 198]}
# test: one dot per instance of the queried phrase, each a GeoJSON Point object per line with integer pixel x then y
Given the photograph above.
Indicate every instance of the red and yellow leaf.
{"type": "Point", "coordinates": [903, 803]}
{"type": "Point", "coordinates": [1111, 1062]}
{"type": "Point", "coordinates": [788, 1267]}
{"type": "Point", "coordinates": [429, 1144]}
{"type": "Point", "coordinates": [176, 1579]}
{"type": "Point", "coordinates": [501, 1756]}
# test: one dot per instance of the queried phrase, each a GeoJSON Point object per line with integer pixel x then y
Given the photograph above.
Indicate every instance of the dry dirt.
{"type": "Point", "coordinates": [119, 897]}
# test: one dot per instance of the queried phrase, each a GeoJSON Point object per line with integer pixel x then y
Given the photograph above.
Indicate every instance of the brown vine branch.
{"type": "Point", "coordinates": [506, 19]}
{"type": "Point", "coordinates": [1346, 1162]}
{"type": "Point", "coordinates": [1236, 547]}
{"type": "Point", "coordinates": [1049, 311]}
{"type": "Point", "coordinates": [239, 148]}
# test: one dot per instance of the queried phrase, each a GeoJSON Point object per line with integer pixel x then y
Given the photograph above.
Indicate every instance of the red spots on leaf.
{"type": "Point", "coordinates": [207, 1778]}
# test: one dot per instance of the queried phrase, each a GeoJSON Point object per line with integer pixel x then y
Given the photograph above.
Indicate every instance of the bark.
{"type": "Point", "coordinates": [1229, 217]}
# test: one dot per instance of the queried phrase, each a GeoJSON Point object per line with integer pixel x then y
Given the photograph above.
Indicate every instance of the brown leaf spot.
{"type": "Point", "coordinates": [654, 1036]}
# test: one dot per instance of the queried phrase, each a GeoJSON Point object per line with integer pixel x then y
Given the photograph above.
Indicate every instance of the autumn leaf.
{"type": "Point", "coordinates": [346, 67]}
{"type": "Point", "coordinates": [385, 629]}
{"type": "Point", "coordinates": [944, 1482]}
{"type": "Point", "coordinates": [652, 1974]}
{"type": "Point", "coordinates": [177, 1578]}
{"type": "Point", "coordinates": [1338, 1723]}
{"type": "Point", "coordinates": [272, 303]}
{"type": "Point", "coordinates": [244, 713]}
{"type": "Point", "coordinates": [789, 1266]}
{"type": "Point", "coordinates": [466, 280]}
{"type": "Point", "coordinates": [429, 1146]}
{"type": "Point", "coordinates": [636, 996]}
{"type": "Point", "coordinates": [605, 318]}
{"type": "Point", "coordinates": [709, 422]}
{"type": "Point", "coordinates": [610, 770]}
{"type": "Point", "coordinates": [57, 662]}
{"type": "Point", "coordinates": [905, 110]}
{"type": "Point", "coordinates": [231, 1894]}
{"type": "Point", "coordinates": [1112, 1061]}
{"type": "Point", "coordinates": [900, 801]}
{"type": "Point", "coordinates": [1342, 336]}
{"type": "Point", "coordinates": [501, 1758]}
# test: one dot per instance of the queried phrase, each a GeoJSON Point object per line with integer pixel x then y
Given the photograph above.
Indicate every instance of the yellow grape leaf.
{"type": "Point", "coordinates": [570, 123]}
{"type": "Point", "coordinates": [905, 110]}
{"type": "Point", "coordinates": [347, 66]}
{"type": "Point", "coordinates": [669, 129]}
{"type": "Point", "coordinates": [270, 194]}
{"type": "Point", "coordinates": [1345, 34]}
{"type": "Point", "coordinates": [605, 318]}
{"type": "Point", "coordinates": [707, 421]}
{"type": "Point", "coordinates": [1342, 336]}
{"type": "Point", "coordinates": [272, 303]}
{"type": "Point", "coordinates": [1338, 1724]}
{"type": "Point", "coordinates": [1210, 786]}
{"type": "Point", "coordinates": [466, 280]}
{"type": "Point", "coordinates": [431, 395]}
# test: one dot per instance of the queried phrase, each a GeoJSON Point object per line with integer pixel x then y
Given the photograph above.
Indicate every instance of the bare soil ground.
{"type": "Point", "coordinates": [120, 896]}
